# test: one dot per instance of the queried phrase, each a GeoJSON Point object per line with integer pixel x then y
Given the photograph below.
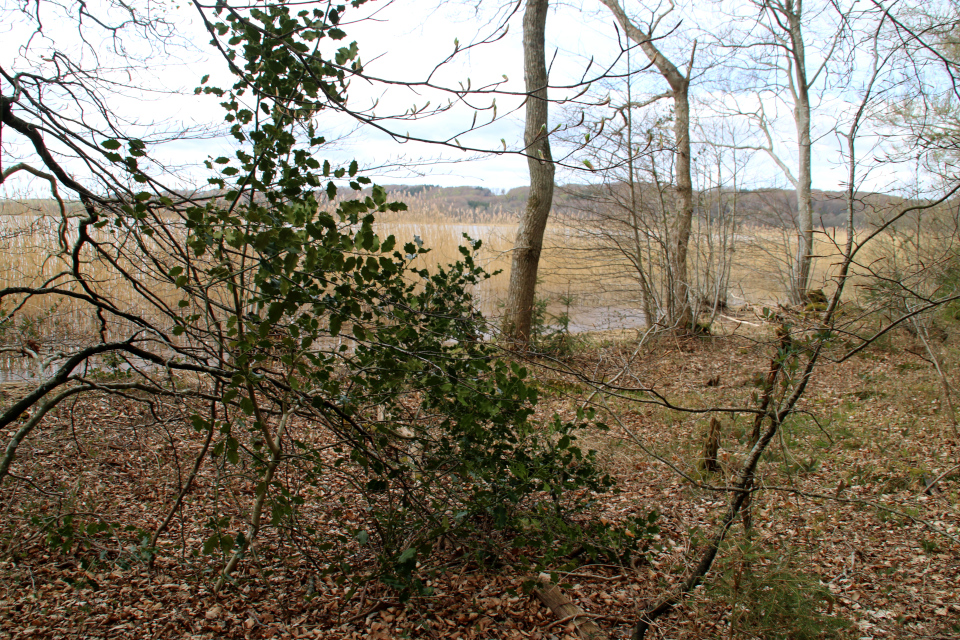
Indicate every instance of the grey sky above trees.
{"type": "Point", "coordinates": [407, 41]}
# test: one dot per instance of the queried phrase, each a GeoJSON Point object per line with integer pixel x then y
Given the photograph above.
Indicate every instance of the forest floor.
{"type": "Point", "coordinates": [846, 541]}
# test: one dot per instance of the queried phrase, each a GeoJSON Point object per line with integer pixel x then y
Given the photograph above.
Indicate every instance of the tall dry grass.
{"type": "Point", "coordinates": [33, 238]}
{"type": "Point", "coordinates": [761, 269]}
{"type": "Point", "coordinates": [598, 291]}
{"type": "Point", "coordinates": [570, 278]}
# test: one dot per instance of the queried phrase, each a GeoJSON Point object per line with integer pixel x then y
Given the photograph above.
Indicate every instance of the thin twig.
{"type": "Point", "coordinates": [35, 486]}
{"type": "Point", "coordinates": [941, 476]}
{"type": "Point", "coordinates": [573, 617]}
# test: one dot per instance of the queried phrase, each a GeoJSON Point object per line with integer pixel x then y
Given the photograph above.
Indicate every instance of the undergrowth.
{"type": "Point", "coordinates": [768, 594]}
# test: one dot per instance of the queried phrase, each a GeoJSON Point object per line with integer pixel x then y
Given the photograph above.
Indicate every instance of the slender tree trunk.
{"type": "Point", "coordinates": [263, 488]}
{"type": "Point", "coordinates": [529, 243]}
{"type": "Point", "coordinates": [804, 198]}
{"type": "Point", "coordinates": [801, 115]}
{"type": "Point", "coordinates": [646, 295]}
{"type": "Point", "coordinates": [681, 313]}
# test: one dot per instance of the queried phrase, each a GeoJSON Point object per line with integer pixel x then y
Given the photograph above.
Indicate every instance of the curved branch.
{"type": "Point", "coordinates": [44, 408]}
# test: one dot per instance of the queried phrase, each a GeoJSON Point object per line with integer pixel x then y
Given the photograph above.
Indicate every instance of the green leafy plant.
{"type": "Point", "coordinates": [313, 356]}
{"type": "Point", "coordinates": [767, 594]}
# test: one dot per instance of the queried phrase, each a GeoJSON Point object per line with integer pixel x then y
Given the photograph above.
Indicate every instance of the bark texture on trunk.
{"type": "Point", "coordinates": [518, 314]}
{"type": "Point", "coordinates": [680, 310]}
{"type": "Point", "coordinates": [801, 114]}
{"type": "Point", "coordinates": [683, 314]}
{"type": "Point", "coordinates": [711, 447]}
{"type": "Point", "coordinates": [804, 197]}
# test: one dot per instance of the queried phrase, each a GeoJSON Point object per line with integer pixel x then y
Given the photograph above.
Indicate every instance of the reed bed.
{"type": "Point", "coordinates": [568, 274]}
{"type": "Point", "coordinates": [596, 290]}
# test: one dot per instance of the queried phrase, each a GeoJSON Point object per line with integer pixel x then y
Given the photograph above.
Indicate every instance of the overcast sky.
{"type": "Point", "coordinates": [405, 40]}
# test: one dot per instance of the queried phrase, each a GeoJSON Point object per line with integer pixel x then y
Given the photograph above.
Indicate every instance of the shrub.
{"type": "Point", "coordinates": [310, 356]}
{"type": "Point", "coordinates": [767, 594]}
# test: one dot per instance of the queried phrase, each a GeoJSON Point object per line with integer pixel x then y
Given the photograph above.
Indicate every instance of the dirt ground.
{"type": "Point", "coordinates": [846, 540]}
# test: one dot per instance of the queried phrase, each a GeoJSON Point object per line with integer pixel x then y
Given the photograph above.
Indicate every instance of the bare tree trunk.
{"type": "Point", "coordinates": [681, 313]}
{"type": "Point", "coordinates": [263, 488]}
{"type": "Point", "coordinates": [529, 243]}
{"type": "Point", "coordinates": [801, 112]}
{"type": "Point", "coordinates": [646, 295]}
{"type": "Point", "coordinates": [784, 23]}
{"type": "Point", "coordinates": [789, 15]}
{"type": "Point", "coordinates": [683, 318]}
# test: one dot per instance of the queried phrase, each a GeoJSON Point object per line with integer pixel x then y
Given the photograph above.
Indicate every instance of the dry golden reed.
{"type": "Point", "coordinates": [598, 290]}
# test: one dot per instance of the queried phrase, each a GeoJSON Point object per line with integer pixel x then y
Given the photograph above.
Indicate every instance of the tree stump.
{"type": "Point", "coordinates": [708, 461]}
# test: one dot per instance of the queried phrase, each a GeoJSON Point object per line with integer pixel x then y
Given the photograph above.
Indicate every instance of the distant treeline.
{"type": "Point", "coordinates": [768, 207]}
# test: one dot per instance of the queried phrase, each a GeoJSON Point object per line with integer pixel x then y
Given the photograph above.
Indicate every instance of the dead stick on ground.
{"type": "Point", "coordinates": [940, 477]}
{"type": "Point", "coordinates": [562, 607]}
{"type": "Point", "coordinates": [591, 616]}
